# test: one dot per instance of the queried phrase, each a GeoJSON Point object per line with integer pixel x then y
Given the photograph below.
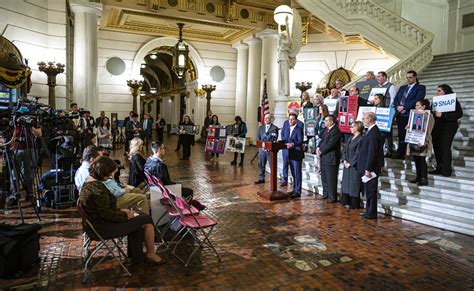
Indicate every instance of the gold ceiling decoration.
{"type": "Point", "coordinates": [216, 21]}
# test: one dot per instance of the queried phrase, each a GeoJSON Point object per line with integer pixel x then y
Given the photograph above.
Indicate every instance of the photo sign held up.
{"type": "Point", "coordinates": [384, 116]}
{"type": "Point", "coordinates": [376, 91]}
{"type": "Point", "coordinates": [347, 112]}
{"type": "Point", "coordinates": [216, 139]}
{"type": "Point", "coordinates": [235, 144]}
{"type": "Point", "coordinates": [444, 103]}
{"type": "Point", "coordinates": [417, 126]}
{"type": "Point", "coordinates": [331, 104]}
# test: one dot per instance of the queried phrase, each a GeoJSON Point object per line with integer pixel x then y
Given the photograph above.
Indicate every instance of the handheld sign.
{"type": "Point", "coordinates": [331, 104]}
{"type": "Point", "coordinates": [444, 103]}
{"type": "Point", "coordinates": [363, 110]}
{"type": "Point", "coordinates": [385, 118]}
{"type": "Point", "coordinates": [375, 91]}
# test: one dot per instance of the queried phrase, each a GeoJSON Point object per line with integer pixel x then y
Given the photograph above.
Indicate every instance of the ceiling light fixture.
{"type": "Point", "coordinates": [180, 55]}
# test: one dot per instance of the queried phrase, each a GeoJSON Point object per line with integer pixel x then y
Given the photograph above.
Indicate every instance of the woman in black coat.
{"type": "Point", "coordinates": [186, 133]}
{"type": "Point", "coordinates": [445, 128]}
{"type": "Point", "coordinates": [137, 163]}
{"type": "Point", "coordinates": [350, 178]}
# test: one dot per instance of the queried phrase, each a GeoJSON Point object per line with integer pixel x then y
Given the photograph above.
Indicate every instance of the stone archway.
{"type": "Point", "coordinates": [201, 73]}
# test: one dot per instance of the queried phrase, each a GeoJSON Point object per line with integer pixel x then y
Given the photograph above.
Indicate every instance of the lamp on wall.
{"type": "Point", "coordinates": [208, 89]}
{"type": "Point", "coordinates": [303, 87]}
{"type": "Point", "coordinates": [180, 55]}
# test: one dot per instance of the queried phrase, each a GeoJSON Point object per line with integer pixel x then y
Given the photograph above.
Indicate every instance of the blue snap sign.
{"type": "Point", "coordinates": [444, 103]}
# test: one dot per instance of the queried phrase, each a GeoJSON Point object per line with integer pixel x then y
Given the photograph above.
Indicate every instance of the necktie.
{"type": "Point", "coordinates": [266, 128]}
{"type": "Point", "coordinates": [405, 95]}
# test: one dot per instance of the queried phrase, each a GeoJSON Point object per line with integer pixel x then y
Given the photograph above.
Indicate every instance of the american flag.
{"type": "Point", "coordinates": [265, 105]}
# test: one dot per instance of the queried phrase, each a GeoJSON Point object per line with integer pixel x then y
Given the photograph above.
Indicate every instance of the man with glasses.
{"type": "Point", "coordinates": [404, 101]}
{"type": "Point", "coordinates": [329, 152]}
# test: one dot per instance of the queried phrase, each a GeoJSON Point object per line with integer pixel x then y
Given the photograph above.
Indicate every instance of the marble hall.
{"type": "Point", "coordinates": [301, 244]}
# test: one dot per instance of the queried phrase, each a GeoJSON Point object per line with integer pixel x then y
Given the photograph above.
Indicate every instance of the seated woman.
{"type": "Point", "coordinates": [110, 221]}
{"type": "Point", "coordinates": [136, 177]}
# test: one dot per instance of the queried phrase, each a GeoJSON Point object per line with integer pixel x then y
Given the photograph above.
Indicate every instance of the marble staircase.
{"type": "Point", "coordinates": [448, 202]}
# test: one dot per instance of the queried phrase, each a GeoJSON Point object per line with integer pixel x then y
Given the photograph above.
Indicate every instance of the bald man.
{"type": "Point", "coordinates": [267, 132]}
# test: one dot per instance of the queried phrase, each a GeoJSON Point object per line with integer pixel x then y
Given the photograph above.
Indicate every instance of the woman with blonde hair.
{"type": "Point", "coordinates": [137, 163]}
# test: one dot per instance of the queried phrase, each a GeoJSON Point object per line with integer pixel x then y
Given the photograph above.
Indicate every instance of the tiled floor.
{"type": "Point", "coordinates": [302, 244]}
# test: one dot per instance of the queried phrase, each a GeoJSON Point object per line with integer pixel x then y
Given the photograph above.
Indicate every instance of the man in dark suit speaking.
{"type": "Point", "coordinates": [329, 151]}
{"type": "Point", "coordinates": [294, 144]}
{"type": "Point", "coordinates": [267, 132]}
{"type": "Point", "coordinates": [370, 161]}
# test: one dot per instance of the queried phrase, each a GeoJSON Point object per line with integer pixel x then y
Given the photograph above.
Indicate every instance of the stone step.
{"type": "Point", "coordinates": [428, 217]}
{"type": "Point", "coordinates": [463, 67]}
{"type": "Point", "coordinates": [453, 55]}
{"type": "Point", "coordinates": [457, 83]}
{"type": "Point", "coordinates": [453, 208]}
{"type": "Point", "coordinates": [461, 71]}
{"type": "Point", "coordinates": [450, 194]}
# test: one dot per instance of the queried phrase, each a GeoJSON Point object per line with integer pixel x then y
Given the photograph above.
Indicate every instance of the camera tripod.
{"type": "Point", "coordinates": [15, 177]}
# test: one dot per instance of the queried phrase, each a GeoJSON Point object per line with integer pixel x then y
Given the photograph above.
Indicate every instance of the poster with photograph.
{"type": "Point", "coordinates": [210, 146]}
{"type": "Point", "coordinates": [310, 113]}
{"type": "Point", "coordinates": [211, 132]}
{"type": "Point", "coordinates": [444, 103]}
{"type": "Point", "coordinates": [293, 106]}
{"type": "Point", "coordinates": [385, 118]}
{"type": "Point", "coordinates": [222, 132]}
{"type": "Point", "coordinates": [347, 112]}
{"type": "Point", "coordinates": [220, 146]}
{"type": "Point", "coordinates": [375, 91]}
{"type": "Point", "coordinates": [189, 129]}
{"type": "Point", "coordinates": [113, 121]}
{"type": "Point", "coordinates": [365, 87]}
{"type": "Point", "coordinates": [363, 109]}
{"type": "Point", "coordinates": [229, 129]}
{"type": "Point", "coordinates": [331, 104]}
{"type": "Point", "coordinates": [310, 128]}
{"type": "Point", "coordinates": [235, 144]}
{"type": "Point", "coordinates": [417, 126]}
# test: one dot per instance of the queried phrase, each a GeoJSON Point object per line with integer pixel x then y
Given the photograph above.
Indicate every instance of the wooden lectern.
{"type": "Point", "coordinates": [272, 194]}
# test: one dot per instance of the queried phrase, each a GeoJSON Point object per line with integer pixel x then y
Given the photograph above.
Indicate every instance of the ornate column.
{"type": "Point", "coordinates": [51, 70]}
{"type": "Point", "coordinates": [241, 79]}
{"type": "Point", "coordinates": [269, 39]}
{"type": "Point", "coordinates": [85, 91]}
{"type": "Point", "coordinates": [253, 86]}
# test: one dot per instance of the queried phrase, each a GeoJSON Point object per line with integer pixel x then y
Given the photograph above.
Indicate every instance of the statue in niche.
{"type": "Point", "coordinates": [289, 46]}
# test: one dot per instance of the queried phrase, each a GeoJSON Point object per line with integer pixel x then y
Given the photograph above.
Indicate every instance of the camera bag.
{"type": "Point", "coordinates": [19, 248]}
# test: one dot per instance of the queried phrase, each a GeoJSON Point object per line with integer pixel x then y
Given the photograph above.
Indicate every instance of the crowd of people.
{"type": "Point", "coordinates": [362, 151]}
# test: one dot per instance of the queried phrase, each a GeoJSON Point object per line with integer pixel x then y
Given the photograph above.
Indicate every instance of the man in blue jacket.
{"type": "Point", "coordinates": [404, 101]}
{"type": "Point", "coordinates": [294, 143]}
{"type": "Point", "coordinates": [284, 152]}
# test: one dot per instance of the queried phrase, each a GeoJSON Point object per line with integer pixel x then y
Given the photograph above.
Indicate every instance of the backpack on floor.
{"type": "Point", "coordinates": [19, 248]}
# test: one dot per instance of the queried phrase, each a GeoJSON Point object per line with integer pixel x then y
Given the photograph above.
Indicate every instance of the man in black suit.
{"type": "Point", "coordinates": [329, 151]}
{"type": "Point", "coordinates": [147, 124]}
{"type": "Point", "coordinates": [369, 161]}
{"type": "Point", "coordinates": [404, 101]}
{"type": "Point", "coordinates": [267, 132]}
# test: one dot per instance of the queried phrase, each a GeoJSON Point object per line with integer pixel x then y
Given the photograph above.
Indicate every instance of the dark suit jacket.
{"type": "Point", "coordinates": [330, 147]}
{"type": "Point", "coordinates": [417, 93]}
{"type": "Point", "coordinates": [129, 133]}
{"type": "Point", "coordinates": [296, 138]}
{"type": "Point", "coordinates": [147, 130]}
{"type": "Point", "coordinates": [285, 130]}
{"type": "Point", "coordinates": [270, 135]}
{"type": "Point", "coordinates": [158, 169]}
{"type": "Point", "coordinates": [370, 152]}
{"type": "Point", "coordinates": [160, 125]}
{"type": "Point", "coordinates": [137, 167]}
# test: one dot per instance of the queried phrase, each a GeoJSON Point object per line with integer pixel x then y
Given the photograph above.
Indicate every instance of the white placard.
{"type": "Point", "coordinates": [363, 110]}
{"type": "Point", "coordinates": [331, 104]}
{"type": "Point", "coordinates": [235, 144]}
{"type": "Point", "coordinates": [375, 91]}
{"type": "Point", "coordinates": [444, 103]}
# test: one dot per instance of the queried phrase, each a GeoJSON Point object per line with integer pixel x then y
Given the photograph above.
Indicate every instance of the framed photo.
{"type": "Point", "coordinates": [174, 128]}
{"type": "Point", "coordinates": [343, 104]}
{"type": "Point", "coordinates": [210, 145]}
{"type": "Point", "coordinates": [222, 132]}
{"type": "Point", "coordinates": [235, 144]}
{"type": "Point", "coordinates": [211, 132]}
{"type": "Point", "coordinates": [113, 121]}
{"type": "Point", "coordinates": [220, 146]}
{"type": "Point", "coordinates": [310, 113]}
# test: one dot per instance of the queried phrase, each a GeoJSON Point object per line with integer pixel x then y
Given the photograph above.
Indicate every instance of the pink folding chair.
{"type": "Point", "coordinates": [193, 223]}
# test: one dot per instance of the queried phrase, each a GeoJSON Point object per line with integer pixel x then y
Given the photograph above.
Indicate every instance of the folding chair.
{"type": "Point", "coordinates": [89, 248]}
{"type": "Point", "coordinates": [193, 223]}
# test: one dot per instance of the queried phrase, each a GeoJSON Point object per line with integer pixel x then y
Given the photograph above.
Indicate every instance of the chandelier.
{"type": "Point", "coordinates": [180, 55]}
